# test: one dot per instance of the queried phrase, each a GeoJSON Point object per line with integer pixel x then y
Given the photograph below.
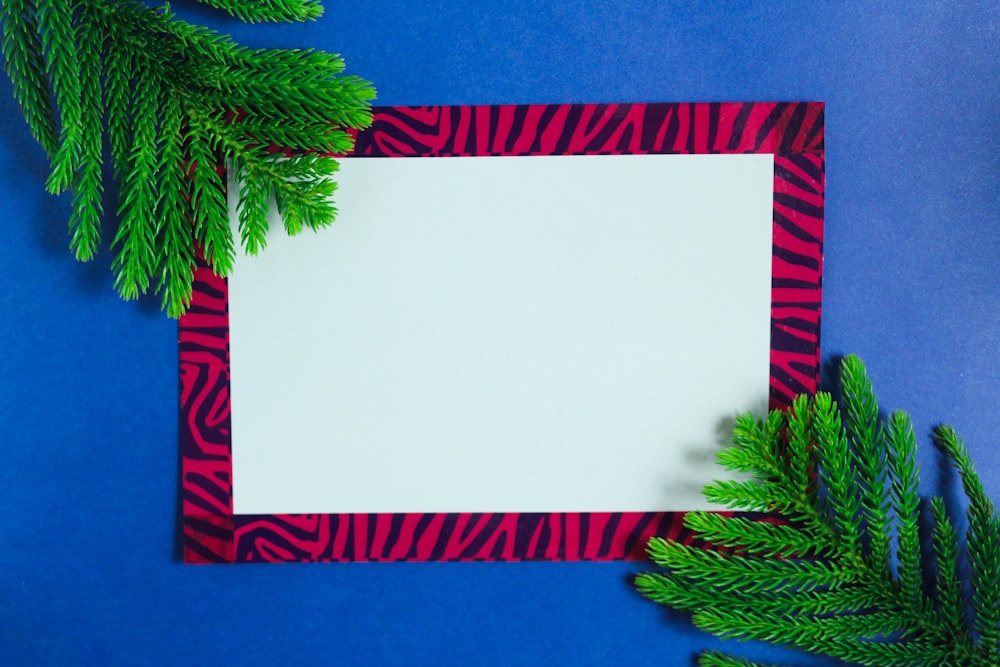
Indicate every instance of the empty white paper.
{"type": "Point", "coordinates": [517, 334]}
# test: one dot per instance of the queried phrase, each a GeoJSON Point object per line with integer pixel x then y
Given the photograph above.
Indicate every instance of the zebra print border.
{"type": "Point", "coordinates": [793, 132]}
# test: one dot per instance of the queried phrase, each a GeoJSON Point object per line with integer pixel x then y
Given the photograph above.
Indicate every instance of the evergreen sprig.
{"type": "Point", "coordinates": [837, 566]}
{"type": "Point", "coordinates": [179, 104]}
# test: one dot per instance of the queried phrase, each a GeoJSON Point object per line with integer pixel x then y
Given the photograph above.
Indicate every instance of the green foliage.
{"type": "Point", "coordinates": [178, 103]}
{"type": "Point", "coordinates": [818, 573]}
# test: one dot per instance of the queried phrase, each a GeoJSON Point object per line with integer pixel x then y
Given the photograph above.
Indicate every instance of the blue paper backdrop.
{"type": "Point", "coordinates": [88, 483]}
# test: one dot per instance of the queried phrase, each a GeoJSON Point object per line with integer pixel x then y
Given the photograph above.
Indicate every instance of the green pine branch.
{"type": "Point", "coordinates": [865, 432]}
{"type": "Point", "coordinates": [717, 659]}
{"type": "Point", "coordinates": [179, 103]}
{"type": "Point", "coordinates": [255, 11]}
{"type": "Point", "coordinates": [837, 568]}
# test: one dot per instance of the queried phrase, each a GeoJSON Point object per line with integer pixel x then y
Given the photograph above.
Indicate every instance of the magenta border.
{"type": "Point", "coordinates": [793, 132]}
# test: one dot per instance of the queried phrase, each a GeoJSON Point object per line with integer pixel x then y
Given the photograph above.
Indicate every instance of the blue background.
{"type": "Point", "coordinates": [89, 477]}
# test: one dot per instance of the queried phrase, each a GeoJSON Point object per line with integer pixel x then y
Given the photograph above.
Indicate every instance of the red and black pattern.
{"type": "Point", "coordinates": [206, 447]}
{"type": "Point", "coordinates": [793, 132]}
{"type": "Point", "coordinates": [796, 275]}
{"type": "Point", "coordinates": [450, 537]}
{"type": "Point", "coordinates": [593, 129]}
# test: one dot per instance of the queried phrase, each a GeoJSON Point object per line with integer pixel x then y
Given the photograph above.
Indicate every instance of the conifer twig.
{"type": "Point", "coordinates": [181, 102]}
{"type": "Point", "coordinates": [821, 580]}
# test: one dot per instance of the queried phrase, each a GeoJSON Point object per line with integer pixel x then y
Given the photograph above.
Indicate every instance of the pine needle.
{"type": "Point", "coordinates": [814, 575]}
{"type": "Point", "coordinates": [182, 103]}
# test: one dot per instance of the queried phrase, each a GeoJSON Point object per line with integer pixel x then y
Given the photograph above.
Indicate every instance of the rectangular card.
{"type": "Point", "coordinates": [526, 344]}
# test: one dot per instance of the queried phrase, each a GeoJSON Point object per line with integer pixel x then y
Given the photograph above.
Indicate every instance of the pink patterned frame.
{"type": "Point", "coordinates": [793, 132]}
